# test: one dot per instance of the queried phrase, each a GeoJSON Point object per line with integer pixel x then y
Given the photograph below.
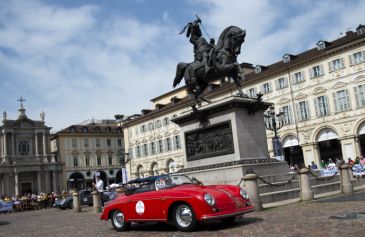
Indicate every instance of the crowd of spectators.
{"type": "Point", "coordinates": [16, 203]}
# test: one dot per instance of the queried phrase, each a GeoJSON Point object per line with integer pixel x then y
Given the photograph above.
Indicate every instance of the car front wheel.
{"type": "Point", "coordinates": [118, 221]}
{"type": "Point", "coordinates": [184, 218]}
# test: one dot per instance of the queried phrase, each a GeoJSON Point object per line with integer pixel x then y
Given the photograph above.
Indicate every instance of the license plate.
{"type": "Point", "coordinates": [85, 199]}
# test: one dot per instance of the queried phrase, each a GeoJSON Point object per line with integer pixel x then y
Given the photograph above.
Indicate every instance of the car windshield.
{"type": "Point", "coordinates": [173, 180]}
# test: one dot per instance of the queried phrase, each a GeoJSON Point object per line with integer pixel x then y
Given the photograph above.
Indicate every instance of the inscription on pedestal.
{"type": "Point", "coordinates": [208, 142]}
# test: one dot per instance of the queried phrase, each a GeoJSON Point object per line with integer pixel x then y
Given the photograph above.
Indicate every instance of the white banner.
{"type": "Point", "coordinates": [124, 175]}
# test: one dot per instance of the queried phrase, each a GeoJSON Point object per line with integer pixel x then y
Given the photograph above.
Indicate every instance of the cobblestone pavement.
{"type": "Point", "coordinates": [298, 219]}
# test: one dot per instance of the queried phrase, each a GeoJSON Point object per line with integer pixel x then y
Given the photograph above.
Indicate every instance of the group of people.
{"type": "Point", "coordinates": [29, 201]}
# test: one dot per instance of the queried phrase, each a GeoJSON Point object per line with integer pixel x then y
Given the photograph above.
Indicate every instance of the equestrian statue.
{"type": "Point", "coordinates": [211, 62]}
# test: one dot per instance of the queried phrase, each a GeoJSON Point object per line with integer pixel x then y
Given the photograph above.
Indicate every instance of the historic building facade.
{"type": "Point", "coordinates": [153, 142]}
{"type": "Point", "coordinates": [87, 150]}
{"type": "Point", "coordinates": [27, 165]}
{"type": "Point", "coordinates": [321, 93]}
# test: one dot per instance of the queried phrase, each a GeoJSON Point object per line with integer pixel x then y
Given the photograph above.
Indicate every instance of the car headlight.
{"type": "Point", "coordinates": [209, 199]}
{"type": "Point", "coordinates": [243, 193]}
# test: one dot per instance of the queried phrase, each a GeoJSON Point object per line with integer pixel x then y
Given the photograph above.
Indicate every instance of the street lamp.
{"type": "Point", "coordinates": [274, 123]}
{"type": "Point", "coordinates": [123, 159]}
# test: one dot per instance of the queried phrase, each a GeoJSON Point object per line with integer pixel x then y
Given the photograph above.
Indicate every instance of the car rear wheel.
{"type": "Point", "coordinates": [118, 221]}
{"type": "Point", "coordinates": [184, 217]}
{"type": "Point", "coordinates": [71, 205]}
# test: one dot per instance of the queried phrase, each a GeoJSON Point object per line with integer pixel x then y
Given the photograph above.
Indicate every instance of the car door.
{"type": "Point", "coordinates": [145, 206]}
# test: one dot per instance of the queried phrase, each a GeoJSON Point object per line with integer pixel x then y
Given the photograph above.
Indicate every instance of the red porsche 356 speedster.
{"type": "Point", "coordinates": [176, 199]}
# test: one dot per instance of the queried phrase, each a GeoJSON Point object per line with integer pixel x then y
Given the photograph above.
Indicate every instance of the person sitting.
{"type": "Point", "coordinates": [314, 166]}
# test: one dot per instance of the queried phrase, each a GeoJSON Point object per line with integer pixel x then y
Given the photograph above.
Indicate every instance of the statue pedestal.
{"type": "Point", "coordinates": [223, 139]}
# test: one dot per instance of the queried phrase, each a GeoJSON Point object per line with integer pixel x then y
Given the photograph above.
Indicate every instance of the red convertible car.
{"type": "Point", "coordinates": [176, 199]}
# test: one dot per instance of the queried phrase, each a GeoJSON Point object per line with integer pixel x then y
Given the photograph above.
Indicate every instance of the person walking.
{"type": "Point", "coordinates": [99, 186]}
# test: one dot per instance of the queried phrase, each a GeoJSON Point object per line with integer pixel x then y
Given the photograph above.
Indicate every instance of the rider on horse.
{"type": "Point", "coordinates": [202, 48]}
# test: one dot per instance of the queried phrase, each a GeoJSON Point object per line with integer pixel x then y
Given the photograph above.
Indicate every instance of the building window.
{"type": "Point", "coordinates": [110, 159]}
{"type": "Point", "coordinates": [137, 131]}
{"type": "Point", "coordinates": [158, 124]}
{"type": "Point", "coordinates": [130, 151]}
{"type": "Point", "coordinates": [145, 150]}
{"type": "Point", "coordinates": [74, 142]}
{"type": "Point", "coordinates": [166, 121]}
{"type": "Point", "coordinates": [86, 142]}
{"type": "Point", "coordinates": [321, 105]}
{"type": "Point", "coordinates": [281, 83]}
{"type": "Point", "coordinates": [168, 144]}
{"type": "Point", "coordinates": [316, 71]}
{"type": "Point", "coordinates": [252, 92]}
{"type": "Point", "coordinates": [357, 57]}
{"type": "Point", "coordinates": [160, 146]}
{"type": "Point", "coordinates": [87, 161]}
{"type": "Point", "coordinates": [298, 77]}
{"type": "Point", "coordinates": [154, 170]}
{"type": "Point", "coordinates": [108, 142]}
{"type": "Point", "coordinates": [143, 129]}
{"type": "Point", "coordinates": [97, 142]}
{"type": "Point", "coordinates": [336, 64]}
{"type": "Point", "coordinates": [303, 110]}
{"type": "Point", "coordinates": [287, 114]}
{"type": "Point", "coordinates": [360, 96]}
{"type": "Point", "coordinates": [342, 100]}
{"type": "Point", "coordinates": [177, 142]}
{"type": "Point", "coordinates": [76, 161]}
{"type": "Point", "coordinates": [138, 152]}
{"type": "Point", "coordinates": [153, 148]}
{"type": "Point", "coordinates": [119, 142]}
{"type": "Point", "coordinates": [286, 59]}
{"type": "Point", "coordinates": [171, 166]}
{"type": "Point", "coordinates": [98, 160]}
{"type": "Point", "coordinates": [266, 88]}
{"type": "Point", "coordinates": [257, 69]}
{"type": "Point", "coordinates": [150, 127]}
{"type": "Point", "coordinates": [321, 45]}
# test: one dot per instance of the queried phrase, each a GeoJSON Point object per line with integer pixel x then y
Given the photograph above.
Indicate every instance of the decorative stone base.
{"type": "Point", "coordinates": [223, 139]}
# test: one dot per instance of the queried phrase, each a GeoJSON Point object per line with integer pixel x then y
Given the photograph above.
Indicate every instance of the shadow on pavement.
{"type": "Point", "coordinates": [4, 223]}
{"type": "Point", "coordinates": [345, 198]}
{"type": "Point", "coordinates": [211, 225]}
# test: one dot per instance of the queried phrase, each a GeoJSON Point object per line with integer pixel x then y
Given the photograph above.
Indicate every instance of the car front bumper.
{"type": "Point", "coordinates": [226, 214]}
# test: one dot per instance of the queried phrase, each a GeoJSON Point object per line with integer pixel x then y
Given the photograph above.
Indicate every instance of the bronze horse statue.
{"type": "Point", "coordinates": [222, 62]}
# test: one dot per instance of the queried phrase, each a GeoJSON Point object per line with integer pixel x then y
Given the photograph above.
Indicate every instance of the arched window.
{"type": "Point", "coordinates": [171, 166]}
{"type": "Point", "coordinates": [140, 172]}
{"type": "Point", "coordinates": [154, 169]}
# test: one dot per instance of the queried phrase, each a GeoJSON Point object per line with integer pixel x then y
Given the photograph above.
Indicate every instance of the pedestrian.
{"type": "Point", "coordinates": [314, 166]}
{"type": "Point", "coordinates": [99, 186]}
{"type": "Point", "coordinates": [350, 161]}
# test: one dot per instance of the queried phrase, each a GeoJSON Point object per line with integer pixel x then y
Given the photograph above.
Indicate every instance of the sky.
{"type": "Point", "coordinates": [78, 59]}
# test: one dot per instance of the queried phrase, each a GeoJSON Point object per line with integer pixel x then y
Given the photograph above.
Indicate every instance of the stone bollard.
{"type": "Point", "coordinates": [306, 193]}
{"type": "Point", "coordinates": [76, 202]}
{"type": "Point", "coordinates": [252, 189]}
{"type": "Point", "coordinates": [96, 202]}
{"type": "Point", "coordinates": [346, 183]}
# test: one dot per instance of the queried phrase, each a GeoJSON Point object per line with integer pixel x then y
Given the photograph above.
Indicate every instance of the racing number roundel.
{"type": "Point", "coordinates": [140, 207]}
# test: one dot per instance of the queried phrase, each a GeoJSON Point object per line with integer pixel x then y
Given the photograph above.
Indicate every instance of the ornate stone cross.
{"type": "Point", "coordinates": [21, 100]}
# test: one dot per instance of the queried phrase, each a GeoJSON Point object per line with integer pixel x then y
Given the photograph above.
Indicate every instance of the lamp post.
{"type": "Point", "coordinates": [123, 159]}
{"type": "Point", "coordinates": [274, 123]}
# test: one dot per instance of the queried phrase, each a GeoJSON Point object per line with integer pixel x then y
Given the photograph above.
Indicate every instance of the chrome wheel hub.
{"type": "Point", "coordinates": [118, 219]}
{"type": "Point", "coordinates": [184, 216]}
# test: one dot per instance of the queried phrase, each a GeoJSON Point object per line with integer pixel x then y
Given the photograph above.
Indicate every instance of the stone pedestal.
{"type": "Point", "coordinates": [346, 184]}
{"type": "Point", "coordinates": [96, 202]}
{"type": "Point", "coordinates": [306, 193]}
{"type": "Point", "coordinates": [252, 190]}
{"type": "Point", "coordinates": [76, 202]}
{"type": "Point", "coordinates": [223, 139]}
